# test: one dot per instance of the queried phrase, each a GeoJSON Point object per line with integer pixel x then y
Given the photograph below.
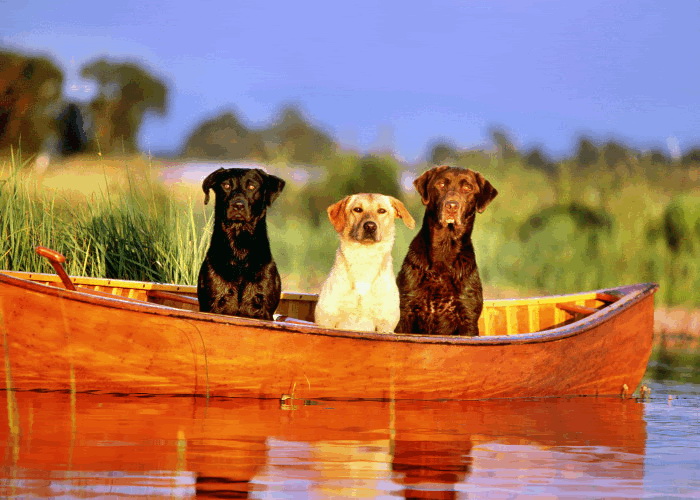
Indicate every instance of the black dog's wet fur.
{"type": "Point", "coordinates": [239, 276]}
{"type": "Point", "coordinates": [439, 285]}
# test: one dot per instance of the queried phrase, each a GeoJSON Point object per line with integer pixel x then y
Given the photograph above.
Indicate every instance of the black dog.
{"type": "Point", "coordinates": [439, 284]}
{"type": "Point", "coordinates": [238, 275]}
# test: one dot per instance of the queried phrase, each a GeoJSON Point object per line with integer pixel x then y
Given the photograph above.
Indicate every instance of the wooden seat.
{"type": "Point", "coordinates": [607, 297]}
{"type": "Point", "coordinates": [174, 297]}
{"type": "Point", "coordinates": [574, 309]}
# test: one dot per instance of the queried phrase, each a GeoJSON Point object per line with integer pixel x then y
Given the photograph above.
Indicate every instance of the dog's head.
{"type": "Point", "coordinates": [453, 194]}
{"type": "Point", "coordinates": [368, 217]}
{"type": "Point", "coordinates": [242, 195]}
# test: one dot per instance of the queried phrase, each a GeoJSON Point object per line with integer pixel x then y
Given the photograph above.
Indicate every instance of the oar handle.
{"type": "Point", "coordinates": [56, 259]}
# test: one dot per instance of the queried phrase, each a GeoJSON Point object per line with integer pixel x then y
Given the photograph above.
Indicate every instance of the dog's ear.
{"type": "Point", "coordinates": [273, 187]}
{"type": "Point", "coordinates": [209, 182]}
{"type": "Point", "coordinates": [402, 213]}
{"type": "Point", "coordinates": [421, 182]}
{"type": "Point", "coordinates": [486, 193]}
{"type": "Point", "coordinates": [337, 215]}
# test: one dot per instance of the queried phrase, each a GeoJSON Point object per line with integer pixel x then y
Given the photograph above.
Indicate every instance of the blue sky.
{"type": "Point", "coordinates": [378, 73]}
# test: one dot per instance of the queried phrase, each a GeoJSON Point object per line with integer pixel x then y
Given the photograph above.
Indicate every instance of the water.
{"type": "Point", "coordinates": [85, 445]}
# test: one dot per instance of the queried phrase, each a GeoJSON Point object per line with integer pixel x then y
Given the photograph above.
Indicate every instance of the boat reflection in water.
{"type": "Point", "coordinates": [106, 445]}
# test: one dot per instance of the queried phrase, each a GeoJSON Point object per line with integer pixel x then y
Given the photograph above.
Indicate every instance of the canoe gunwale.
{"type": "Point", "coordinates": [629, 296]}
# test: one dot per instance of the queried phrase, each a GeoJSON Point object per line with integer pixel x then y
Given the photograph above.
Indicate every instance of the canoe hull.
{"type": "Point", "coordinates": [54, 339]}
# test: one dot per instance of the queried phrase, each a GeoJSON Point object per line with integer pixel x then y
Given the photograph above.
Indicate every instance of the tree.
{"type": "Point", "coordinates": [347, 174]}
{"type": "Point", "coordinates": [614, 153]}
{"type": "Point", "coordinates": [224, 138]}
{"type": "Point", "coordinates": [30, 89]}
{"type": "Point", "coordinates": [656, 156]}
{"type": "Point", "coordinates": [374, 173]}
{"type": "Point", "coordinates": [71, 131]}
{"type": "Point", "coordinates": [442, 153]}
{"type": "Point", "coordinates": [126, 92]}
{"type": "Point", "coordinates": [536, 158]}
{"type": "Point", "coordinates": [296, 139]}
{"type": "Point", "coordinates": [586, 153]}
{"type": "Point", "coordinates": [692, 157]}
{"type": "Point", "coordinates": [505, 147]}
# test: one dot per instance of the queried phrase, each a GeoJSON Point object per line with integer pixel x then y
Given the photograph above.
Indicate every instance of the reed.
{"type": "Point", "coordinates": [26, 218]}
{"type": "Point", "coordinates": [137, 232]}
{"type": "Point", "coordinates": [534, 238]}
{"type": "Point", "coordinates": [531, 239]}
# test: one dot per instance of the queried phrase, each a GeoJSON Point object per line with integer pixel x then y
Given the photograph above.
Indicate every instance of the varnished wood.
{"type": "Point", "coordinates": [55, 338]}
{"type": "Point", "coordinates": [56, 260]}
{"type": "Point", "coordinates": [606, 297]}
{"type": "Point", "coordinates": [576, 309]}
{"type": "Point", "coordinates": [51, 255]}
{"type": "Point", "coordinates": [183, 299]}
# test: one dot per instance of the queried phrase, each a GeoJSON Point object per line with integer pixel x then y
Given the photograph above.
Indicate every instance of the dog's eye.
{"type": "Point", "coordinates": [381, 211]}
{"type": "Point", "coordinates": [466, 187]}
{"type": "Point", "coordinates": [357, 209]}
{"type": "Point", "coordinates": [440, 184]}
{"type": "Point", "coordinates": [226, 185]}
{"type": "Point", "coordinates": [251, 186]}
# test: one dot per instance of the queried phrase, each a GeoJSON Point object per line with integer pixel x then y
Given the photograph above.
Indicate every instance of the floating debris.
{"type": "Point", "coordinates": [644, 392]}
{"type": "Point", "coordinates": [625, 391]}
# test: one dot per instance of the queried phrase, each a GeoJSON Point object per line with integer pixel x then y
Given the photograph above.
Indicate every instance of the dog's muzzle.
{"type": "Point", "coordinates": [237, 210]}
{"type": "Point", "coordinates": [451, 212]}
{"type": "Point", "coordinates": [367, 231]}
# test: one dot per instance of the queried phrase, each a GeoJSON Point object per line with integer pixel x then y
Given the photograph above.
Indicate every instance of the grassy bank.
{"type": "Point", "coordinates": [111, 223]}
{"type": "Point", "coordinates": [574, 229]}
{"type": "Point", "coordinates": [115, 220]}
{"type": "Point", "coordinates": [112, 219]}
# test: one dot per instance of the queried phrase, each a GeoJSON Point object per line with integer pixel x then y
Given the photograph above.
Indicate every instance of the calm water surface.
{"type": "Point", "coordinates": [96, 446]}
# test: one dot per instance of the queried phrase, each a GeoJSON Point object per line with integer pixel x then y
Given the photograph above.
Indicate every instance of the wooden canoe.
{"type": "Point", "coordinates": [127, 337]}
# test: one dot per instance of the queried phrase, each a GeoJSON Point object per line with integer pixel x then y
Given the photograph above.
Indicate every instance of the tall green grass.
{"type": "Point", "coordinates": [534, 237]}
{"type": "Point", "coordinates": [140, 232]}
{"type": "Point", "coordinates": [25, 219]}
{"type": "Point", "coordinates": [539, 236]}
{"type": "Point", "coordinates": [137, 233]}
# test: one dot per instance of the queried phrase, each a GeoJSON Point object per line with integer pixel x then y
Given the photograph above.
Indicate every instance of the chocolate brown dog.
{"type": "Point", "coordinates": [439, 284]}
{"type": "Point", "coordinates": [238, 276]}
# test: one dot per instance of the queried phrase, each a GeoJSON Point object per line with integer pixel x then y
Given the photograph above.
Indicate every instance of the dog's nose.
{"type": "Point", "coordinates": [370, 226]}
{"type": "Point", "coordinates": [238, 205]}
{"type": "Point", "coordinates": [451, 205]}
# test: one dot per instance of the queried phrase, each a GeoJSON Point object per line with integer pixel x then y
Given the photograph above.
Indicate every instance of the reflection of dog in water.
{"type": "Point", "coordinates": [238, 276]}
{"type": "Point", "coordinates": [360, 292]}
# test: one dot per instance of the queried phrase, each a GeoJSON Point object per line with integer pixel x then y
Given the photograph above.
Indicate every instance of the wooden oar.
{"type": "Point", "coordinates": [56, 259]}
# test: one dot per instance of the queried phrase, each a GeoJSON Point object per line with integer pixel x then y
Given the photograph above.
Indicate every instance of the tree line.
{"type": "Point", "coordinates": [290, 137]}
{"type": "Point", "coordinates": [35, 115]}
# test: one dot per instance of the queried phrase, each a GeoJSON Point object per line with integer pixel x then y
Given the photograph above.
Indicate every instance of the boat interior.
{"type": "Point", "coordinates": [499, 316]}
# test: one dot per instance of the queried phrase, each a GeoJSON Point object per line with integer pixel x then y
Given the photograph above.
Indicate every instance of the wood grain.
{"type": "Point", "coordinates": [70, 340]}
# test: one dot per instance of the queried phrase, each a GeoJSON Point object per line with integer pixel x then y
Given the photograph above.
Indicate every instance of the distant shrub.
{"type": "Point", "coordinates": [442, 153]}
{"type": "Point", "coordinates": [350, 175]}
{"type": "Point", "coordinates": [562, 247]}
{"type": "Point", "coordinates": [575, 216]}
{"type": "Point", "coordinates": [681, 224]}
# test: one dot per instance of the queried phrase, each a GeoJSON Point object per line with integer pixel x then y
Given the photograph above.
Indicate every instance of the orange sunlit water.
{"type": "Point", "coordinates": [97, 445]}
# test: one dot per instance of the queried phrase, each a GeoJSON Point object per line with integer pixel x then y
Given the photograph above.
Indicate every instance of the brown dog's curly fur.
{"type": "Point", "coordinates": [439, 285]}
